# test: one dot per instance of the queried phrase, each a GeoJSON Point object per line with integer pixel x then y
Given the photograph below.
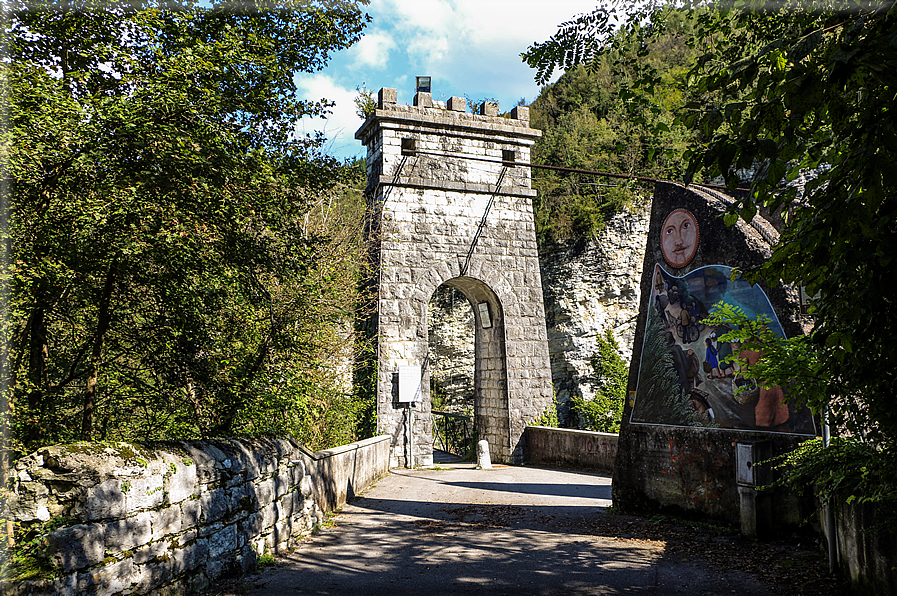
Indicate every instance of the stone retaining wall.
{"type": "Point", "coordinates": [867, 548]}
{"type": "Point", "coordinates": [692, 472]}
{"type": "Point", "coordinates": [565, 447]}
{"type": "Point", "coordinates": [174, 517]}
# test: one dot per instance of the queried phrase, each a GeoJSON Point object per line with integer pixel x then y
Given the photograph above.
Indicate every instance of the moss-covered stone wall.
{"type": "Point", "coordinates": [173, 517]}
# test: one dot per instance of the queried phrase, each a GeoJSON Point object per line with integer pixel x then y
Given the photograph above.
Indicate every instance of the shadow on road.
{"type": "Point", "coordinates": [507, 531]}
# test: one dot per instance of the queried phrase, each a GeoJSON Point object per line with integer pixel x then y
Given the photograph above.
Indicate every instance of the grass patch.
{"type": "Point", "coordinates": [265, 560]}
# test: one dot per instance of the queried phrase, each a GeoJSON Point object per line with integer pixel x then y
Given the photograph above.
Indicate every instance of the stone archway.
{"type": "Point", "coordinates": [490, 382]}
{"type": "Point", "coordinates": [490, 379]}
{"type": "Point", "coordinates": [450, 356]}
{"type": "Point", "coordinates": [447, 205]}
{"type": "Point", "coordinates": [512, 382]}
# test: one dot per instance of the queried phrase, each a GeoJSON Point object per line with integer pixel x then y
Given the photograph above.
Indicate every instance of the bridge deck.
{"type": "Point", "coordinates": [511, 530]}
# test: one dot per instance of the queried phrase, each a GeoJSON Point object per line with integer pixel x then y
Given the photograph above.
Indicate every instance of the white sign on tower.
{"type": "Point", "coordinates": [409, 384]}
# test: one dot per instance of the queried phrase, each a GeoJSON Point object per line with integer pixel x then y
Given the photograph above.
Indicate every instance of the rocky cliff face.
{"type": "Point", "coordinates": [451, 350]}
{"type": "Point", "coordinates": [588, 286]}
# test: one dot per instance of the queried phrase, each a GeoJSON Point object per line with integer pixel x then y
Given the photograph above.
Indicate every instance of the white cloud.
{"type": "Point", "coordinates": [341, 124]}
{"type": "Point", "coordinates": [472, 24]}
{"type": "Point", "coordinates": [469, 47]}
{"type": "Point", "coordinates": [419, 15]}
{"type": "Point", "coordinates": [372, 51]}
{"type": "Point", "coordinates": [474, 44]}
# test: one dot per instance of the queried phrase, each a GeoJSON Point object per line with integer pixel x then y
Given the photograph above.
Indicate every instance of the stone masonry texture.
{"type": "Point", "coordinates": [432, 172]}
{"type": "Point", "coordinates": [590, 285]}
{"type": "Point", "coordinates": [172, 518]}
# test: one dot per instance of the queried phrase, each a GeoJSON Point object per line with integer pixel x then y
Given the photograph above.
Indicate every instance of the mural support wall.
{"type": "Point", "coordinates": [686, 411]}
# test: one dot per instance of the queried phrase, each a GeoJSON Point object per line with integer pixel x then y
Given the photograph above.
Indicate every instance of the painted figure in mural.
{"type": "Point", "coordinates": [711, 358]}
{"type": "Point", "coordinates": [769, 411]}
{"type": "Point", "coordinates": [694, 309]}
{"type": "Point", "coordinates": [660, 286]}
{"type": "Point", "coordinates": [679, 238]}
{"type": "Point", "coordinates": [736, 349]}
{"type": "Point", "coordinates": [677, 387]}
{"type": "Point", "coordinates": [724, 350]}
{"type": "Point", "coordinates": [701, 405]}
{"type": "Point", "coordinates": [674, 294]}
{"type": "Point", "coordinates": [694, 368]}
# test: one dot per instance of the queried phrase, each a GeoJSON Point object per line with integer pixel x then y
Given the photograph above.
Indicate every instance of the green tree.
{"type": "Point", "coordinates": [593, 119]}
{"type": "Point", "coordinates": [605, 410]}
{"type": "Point", "coordinates": [180, 262]}
{"type": "Point", "coordinates": [784, 90]}
{"type": "Point", "coordinates": [799, 91]}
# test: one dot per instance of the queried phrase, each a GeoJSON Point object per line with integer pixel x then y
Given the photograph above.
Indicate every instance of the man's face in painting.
{"type": "Point", "coordinates": [679, 238]}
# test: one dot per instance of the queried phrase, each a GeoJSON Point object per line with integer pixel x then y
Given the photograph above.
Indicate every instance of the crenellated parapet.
{"type": "Point", "coordinates": [456, 150]}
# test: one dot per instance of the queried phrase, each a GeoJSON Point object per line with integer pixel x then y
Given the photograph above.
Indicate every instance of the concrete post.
{"type": "Point", "coordinates": [752, 473]}
{"type": "Point", "coordinates": [483, 461]}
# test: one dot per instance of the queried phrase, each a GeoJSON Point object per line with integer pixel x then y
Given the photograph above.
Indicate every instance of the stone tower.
{"type": "Point", "coordinates": [447, 204]}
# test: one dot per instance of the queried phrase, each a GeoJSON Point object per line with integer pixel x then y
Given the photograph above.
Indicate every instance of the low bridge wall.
{"type": "Point", "coordinates": [566, 447]}
{"type": "Point", "coordinates": [867, 547]}
{"type": "Point", "coordinates": [174, 517]}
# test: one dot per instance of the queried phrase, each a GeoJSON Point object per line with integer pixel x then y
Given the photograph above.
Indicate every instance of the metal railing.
{"type": "Point", "coordinates": [453, 433]}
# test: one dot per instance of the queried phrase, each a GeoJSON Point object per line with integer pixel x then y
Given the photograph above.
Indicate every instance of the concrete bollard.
{"type": "Point", "coordinates": [483, 461]}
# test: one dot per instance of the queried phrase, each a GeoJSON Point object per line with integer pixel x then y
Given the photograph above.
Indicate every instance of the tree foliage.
{"type": "Point", "coordinates": [783, 89]}
{"type": "Point", "coordinates": [604, 411]}
{"type": "Point", "coordinates": [593, 119]}
{"type": "Point", "coordinates": [181, 264]}
{"type": "Point", "coordinates": [849, 471]}
{"type": "Point", "coordinates": [786, 362]}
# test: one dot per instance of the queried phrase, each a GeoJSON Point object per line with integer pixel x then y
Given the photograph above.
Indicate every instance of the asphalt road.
{"type": "Point", "coordinates": [459, 530]}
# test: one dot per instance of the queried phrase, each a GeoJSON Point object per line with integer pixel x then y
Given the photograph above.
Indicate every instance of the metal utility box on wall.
{"type": "Point", "coordinates": [752, 472]}
{"type": "Point", "coordinates": [750, 467]}
{"type": "Point", "coordinates": [410, 380]}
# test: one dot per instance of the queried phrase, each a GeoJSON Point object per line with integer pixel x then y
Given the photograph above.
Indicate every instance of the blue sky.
{"type": "Point", "coordinates": [469, 47]}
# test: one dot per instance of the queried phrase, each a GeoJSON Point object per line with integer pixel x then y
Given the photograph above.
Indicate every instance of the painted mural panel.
{"type": "Point", "coordinates": [684, 379]}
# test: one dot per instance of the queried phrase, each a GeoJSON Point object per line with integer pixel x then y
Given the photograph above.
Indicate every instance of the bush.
{"type": "Point", "coordinates": [604, 412]}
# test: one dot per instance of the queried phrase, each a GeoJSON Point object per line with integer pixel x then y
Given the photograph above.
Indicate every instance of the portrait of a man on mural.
{"type": "Point", "coordinates": [679, 238]}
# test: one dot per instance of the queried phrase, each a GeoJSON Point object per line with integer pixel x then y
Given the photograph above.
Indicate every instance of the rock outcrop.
{"type": "Point", "coordinates": [589, 286]}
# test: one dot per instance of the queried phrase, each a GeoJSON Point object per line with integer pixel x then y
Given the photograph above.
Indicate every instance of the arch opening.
{"type": "Point", "coordinates": [466, 351]}
{"type": "Point", "coordinates": [450, 351]}
{"type": "Point", "coordinates": [451, 358]}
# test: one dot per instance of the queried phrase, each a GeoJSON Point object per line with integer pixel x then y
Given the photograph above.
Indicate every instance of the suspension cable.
{"type": "Point", "coordinates": [476, 238]}
{"type": "Point", "coordinates": [562, 169]}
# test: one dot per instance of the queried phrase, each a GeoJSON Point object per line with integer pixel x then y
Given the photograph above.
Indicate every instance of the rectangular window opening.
{"type": "Point", "coordinates": [409, 147]}
{"type": "Point", "coordinates": [508, 157]}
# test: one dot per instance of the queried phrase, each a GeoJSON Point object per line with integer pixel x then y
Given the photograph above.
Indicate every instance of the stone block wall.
{"type": "Point", "coordinates": [867, 547]}
{"type": "Point", "coordinates": [432, 175]}
{"type": "Point", "coordinates": [174, 517]}
{"type": "Point", "coordinates": [569, 448]}
{"type": "Point", "coordinates": [692, 470]}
